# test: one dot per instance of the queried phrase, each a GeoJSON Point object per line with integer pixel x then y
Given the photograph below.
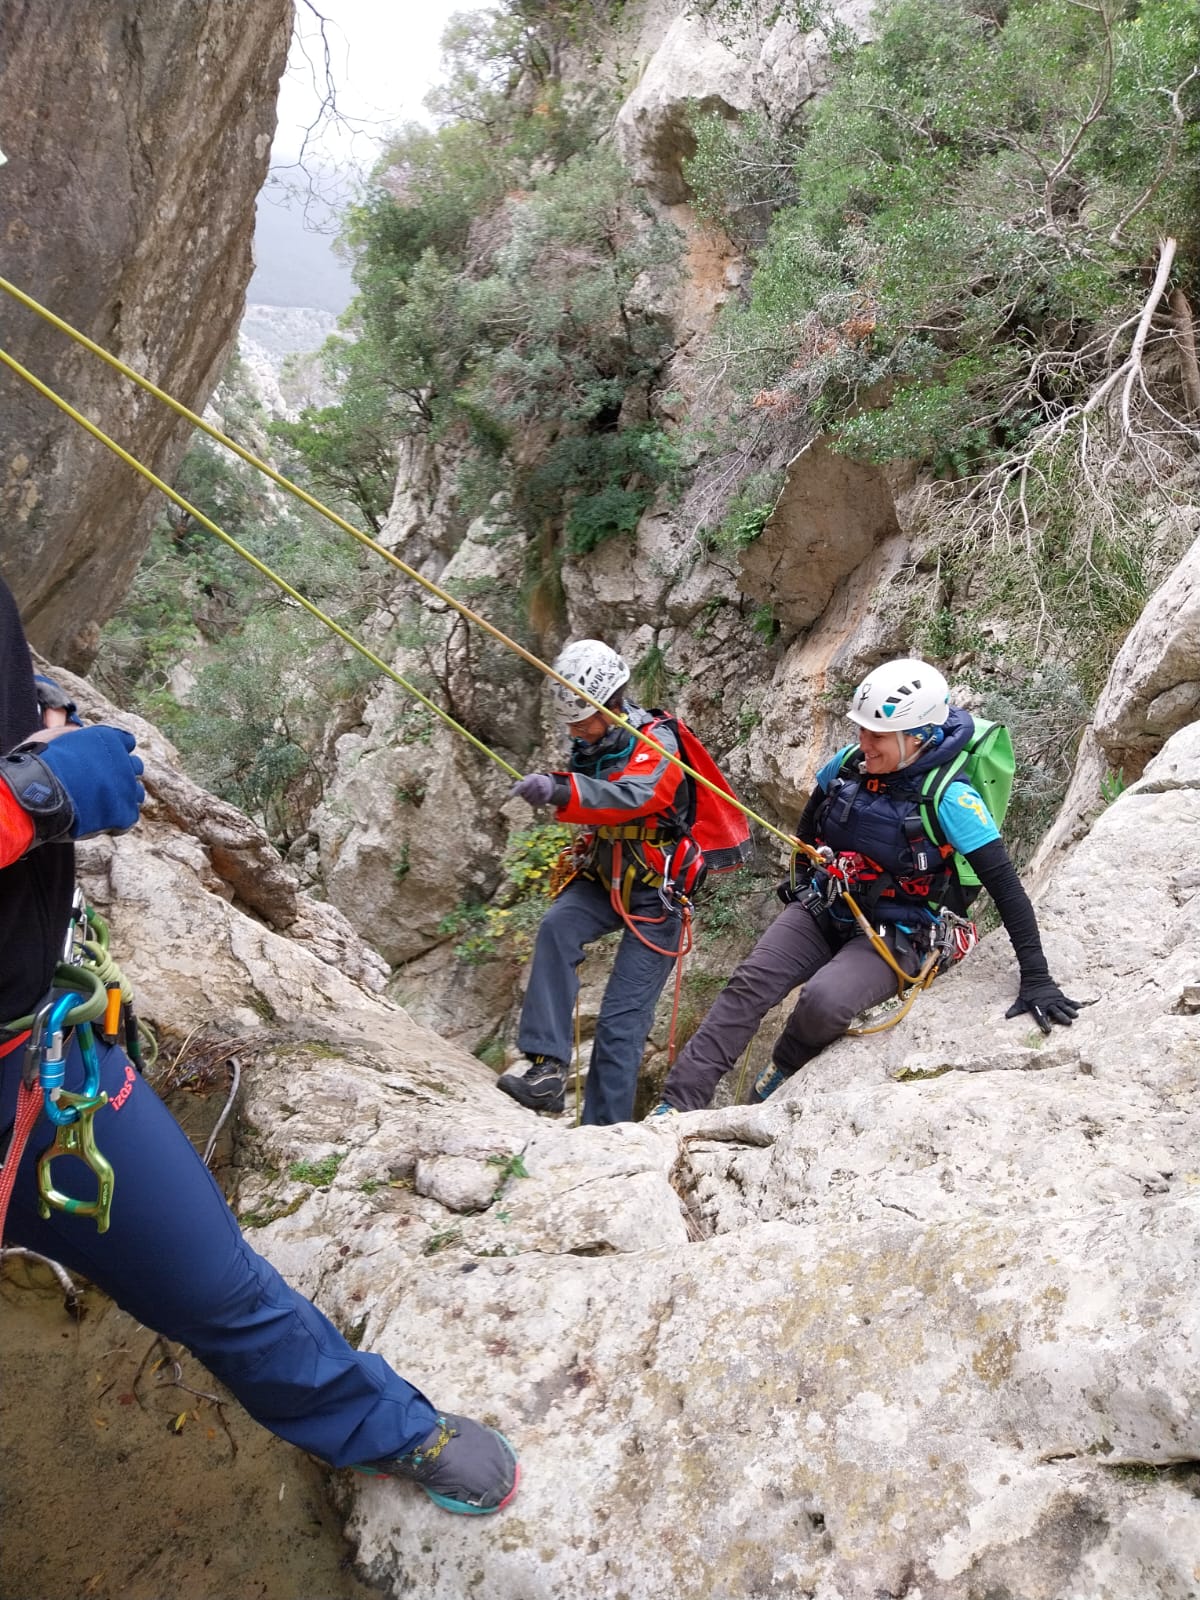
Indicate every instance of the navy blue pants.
{"type": "Point", "coordinates": [583, 912]}
{"type": "Point", "coordinates": [174, 1258]}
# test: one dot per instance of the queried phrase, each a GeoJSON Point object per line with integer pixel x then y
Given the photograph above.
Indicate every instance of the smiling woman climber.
{"type": "Point", "coordinates": [864, 810]}
{"type": "Point", "coordinates": [171, 1253]}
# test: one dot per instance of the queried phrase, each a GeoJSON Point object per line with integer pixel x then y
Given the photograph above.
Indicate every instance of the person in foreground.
{"type": "Point", "coordinates": [635, 804]}
{"type": "Point", "coordinates": [173, 1255]}
{"type": "Point", "coordinates": [864, 809]}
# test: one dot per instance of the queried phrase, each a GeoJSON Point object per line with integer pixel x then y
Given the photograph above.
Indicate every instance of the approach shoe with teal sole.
{"type": "Point", "coordinates": [462, 1466]}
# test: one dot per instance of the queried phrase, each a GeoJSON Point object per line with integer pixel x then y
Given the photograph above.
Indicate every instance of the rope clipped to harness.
{"type": "Point", "coordinates": [675, 902]}
{"type": "Point", "coordinates": [950, 938]}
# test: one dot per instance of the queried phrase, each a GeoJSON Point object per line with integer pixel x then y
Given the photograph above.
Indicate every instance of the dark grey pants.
{"type": "Point", "coordinates": [839, 980]}
{"type": "Point", "coordinates": [583, 912]}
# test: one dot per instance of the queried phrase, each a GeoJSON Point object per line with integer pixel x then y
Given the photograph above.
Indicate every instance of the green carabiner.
{"type": "Point", "coordinates": [77, 1139]}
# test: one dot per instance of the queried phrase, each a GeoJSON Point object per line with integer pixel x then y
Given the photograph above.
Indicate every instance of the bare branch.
{"type": "Point", "coordinates": [1133, 366]}
{"type": "Point", "coordinates": [71, 1295]}
{"type": "Point", "coordinates": [1164, 165]}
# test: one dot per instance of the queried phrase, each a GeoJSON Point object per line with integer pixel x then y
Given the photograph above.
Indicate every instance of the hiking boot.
{"type": "Point", "coordinates": [462, 1466]}
{"type": "Point", "coordinates": [765, 1085]}
{"type": "Point", "coordinates": [541, 1087]}
{"type": "Point", "coordinates": [662, 1109]}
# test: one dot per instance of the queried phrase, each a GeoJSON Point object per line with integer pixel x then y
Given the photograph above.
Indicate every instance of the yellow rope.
{"type": "Point", "coordinates": [346, 527]}
{"type": "Point", "coordinates": [280, 583]}
{"type": "Point", "coordinates": [740, 1088]}
{"type": "Point", "coordinates": [465, 611]}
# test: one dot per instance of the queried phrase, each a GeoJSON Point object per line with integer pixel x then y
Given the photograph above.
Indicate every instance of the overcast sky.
{"type": "Point", "coordinates": [384, 58]}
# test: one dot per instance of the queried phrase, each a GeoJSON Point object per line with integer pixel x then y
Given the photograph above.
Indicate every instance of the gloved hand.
{"type": "Point", "coordinates": [537, 789]}
{"type": "Point", "coordinates": [79, 784]}
{"type": "Point", "coordinates": [1045, 1002]}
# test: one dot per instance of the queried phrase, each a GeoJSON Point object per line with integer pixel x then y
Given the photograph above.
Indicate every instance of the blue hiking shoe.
{"type": "Point", "coordinates": [462, 1466]}
{"type": "Point", "coordinates": [765, 1085]}
{"type": "Point", "coordinates": [662, 1109]}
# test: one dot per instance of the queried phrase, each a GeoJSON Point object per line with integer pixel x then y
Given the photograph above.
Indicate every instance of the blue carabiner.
{"type": "Point", "coordinates": [53, 1066]}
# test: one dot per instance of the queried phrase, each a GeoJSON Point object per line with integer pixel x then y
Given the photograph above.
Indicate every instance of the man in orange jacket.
{"type": "Point", "coordinates": [635, 806]}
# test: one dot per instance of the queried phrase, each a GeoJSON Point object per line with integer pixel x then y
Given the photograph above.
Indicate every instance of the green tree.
{"type": "Point", "coordinates": [978, 195]}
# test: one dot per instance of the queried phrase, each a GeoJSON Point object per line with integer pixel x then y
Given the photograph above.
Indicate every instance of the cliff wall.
{"type": "Point", "coordinates": [137, 137]}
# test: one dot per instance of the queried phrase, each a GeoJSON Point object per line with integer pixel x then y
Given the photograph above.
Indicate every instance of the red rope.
{"type": "Point", "coordinates": [685, 939]}
{"type": "Point", "coordinates": [29, 1107]}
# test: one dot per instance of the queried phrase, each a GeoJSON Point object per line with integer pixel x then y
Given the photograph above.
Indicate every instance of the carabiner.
{"type": "Point", "coordinates": [73, 1116]}
{"type": "Point", "coordinates": [60, 1107]}
{"type": "Point", "coordinates": [73, 951]}
{"type": "Point", "coordinates": [77, 1138]}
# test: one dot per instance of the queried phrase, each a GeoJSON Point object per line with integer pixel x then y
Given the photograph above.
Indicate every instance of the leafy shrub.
{"type": "Point", "coordinates": [505, 928]}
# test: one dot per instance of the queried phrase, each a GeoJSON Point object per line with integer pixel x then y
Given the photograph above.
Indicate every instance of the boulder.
{"type": "Point", "coordinates": [1153, 689]}
{"type": "Point", "coordinates": [828, 520]}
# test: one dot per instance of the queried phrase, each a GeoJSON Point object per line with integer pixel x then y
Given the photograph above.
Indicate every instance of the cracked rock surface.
{"type": "Point", "coordinates": [923, 1325]}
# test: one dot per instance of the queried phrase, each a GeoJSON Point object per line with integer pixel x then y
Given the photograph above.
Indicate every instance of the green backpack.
{"type": "Point", "coordinates": [987, 763]}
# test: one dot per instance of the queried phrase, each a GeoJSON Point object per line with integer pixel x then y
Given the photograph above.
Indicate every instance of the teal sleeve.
{"type": "Point", "coordinates": [965, 820]}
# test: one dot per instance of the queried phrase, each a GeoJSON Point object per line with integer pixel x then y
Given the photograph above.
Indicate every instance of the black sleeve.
{"type": "Point", "coordinates": [806, 828]}
{"type": "Point", "coordinates": [999, 877]}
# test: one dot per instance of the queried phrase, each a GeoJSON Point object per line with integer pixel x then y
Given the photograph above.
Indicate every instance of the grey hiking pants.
{"type": "Point", "coordinates": [583, 912]}
{"type": "Point", "coordinates": [839, 979]}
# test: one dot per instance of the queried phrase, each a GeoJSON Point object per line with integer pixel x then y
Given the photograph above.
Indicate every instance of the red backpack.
{"type": "Point", "coordinates": [717, 837]}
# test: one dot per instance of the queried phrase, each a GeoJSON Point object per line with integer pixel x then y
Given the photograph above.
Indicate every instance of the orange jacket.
{"type": "Point", "coordinates": [16, 828]}
{"type": "Point", "coordinates": [644, 796]}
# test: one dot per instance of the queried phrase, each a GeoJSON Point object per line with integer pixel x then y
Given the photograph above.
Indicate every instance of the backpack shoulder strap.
{"type": "Point", "coordinates": [933, 790]}
{"type": "Point", "coordinates": [665, 719]}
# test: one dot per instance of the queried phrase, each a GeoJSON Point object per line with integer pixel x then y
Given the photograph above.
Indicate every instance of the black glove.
{"type": "Point", "coordinates": [1045, 1002]}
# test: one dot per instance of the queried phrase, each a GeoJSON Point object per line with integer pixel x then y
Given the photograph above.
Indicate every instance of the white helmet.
{"type": "Point", "coordinates": [595, 668]}
{"type": "Point", "coordinates": [900, 696]}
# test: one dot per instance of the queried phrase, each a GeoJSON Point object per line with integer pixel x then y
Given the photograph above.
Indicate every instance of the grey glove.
{"type": "Point", "coordinates": [537, 789]}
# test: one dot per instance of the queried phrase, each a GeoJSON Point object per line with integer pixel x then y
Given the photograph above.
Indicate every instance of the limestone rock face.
{"type": "Point", "coordinates": [135, 149]}
{"type": "Point", "coordinates": [695, 67]}
{"type": "Point", "coordinates": [803, 711]}
{"type": "Point", "coordinates": [411, 827]}
{"type": "Point", "coordinates": [926, 1321]}
{"type": "Point", "coordinates": [928, 1318]}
